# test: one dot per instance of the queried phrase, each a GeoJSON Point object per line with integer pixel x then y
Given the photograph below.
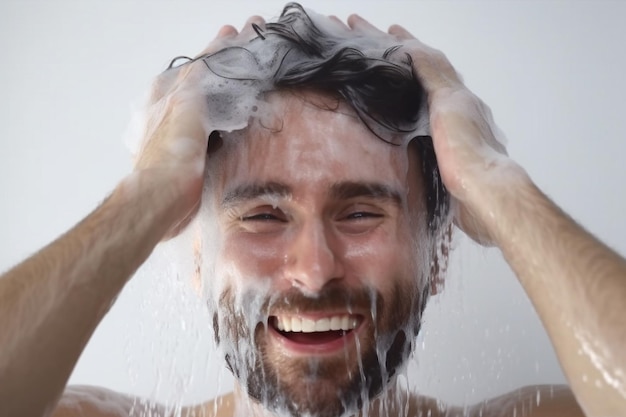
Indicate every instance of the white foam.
{"type": "Point", "coordinates": [234, 86]}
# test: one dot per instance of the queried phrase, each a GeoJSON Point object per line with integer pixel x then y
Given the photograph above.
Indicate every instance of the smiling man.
{"type": "Point", "coordinates": [320, 188]}
{"type": "Point", "coordinates": [328, 212]}
{"type": "Point", "coordinates": [325, 257]}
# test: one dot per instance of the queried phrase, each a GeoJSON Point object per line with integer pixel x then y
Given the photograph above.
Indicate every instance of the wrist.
{"type": "Point", "coordinates": [160, 198]}
{"type": "Point", "coordinates": [497, 197]}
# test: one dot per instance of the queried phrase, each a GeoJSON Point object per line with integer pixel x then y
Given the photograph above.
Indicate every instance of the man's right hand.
{"type": "Point", "coordinates": [51, 303]}
{"type": "Point", "coordinates": [176, 132]}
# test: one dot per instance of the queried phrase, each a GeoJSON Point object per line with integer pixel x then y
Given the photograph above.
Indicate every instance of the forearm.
{"type": "Point", "coordinates": [51, 303]}
{"type": "Point", "coordinates": [576, 283]}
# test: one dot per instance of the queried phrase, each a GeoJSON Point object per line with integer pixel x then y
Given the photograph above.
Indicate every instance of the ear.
{"type": "Point", "coordinates": [439, 259]}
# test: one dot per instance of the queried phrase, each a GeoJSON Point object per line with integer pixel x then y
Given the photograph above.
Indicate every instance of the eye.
{"type": "Point", "coordinates": [358, 215]}
{"type": "Point", "coordinates": [360, 218]}
{"type": "Point", "coordinates": [263, 217]}
{"type": "Point", "coordinates": [361, 212]}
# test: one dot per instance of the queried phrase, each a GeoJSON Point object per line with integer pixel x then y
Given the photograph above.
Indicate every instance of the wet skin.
{"type": "Point", "coordinates": [161, 195]}
{"type": "Point", "coordinates": [313, 206]}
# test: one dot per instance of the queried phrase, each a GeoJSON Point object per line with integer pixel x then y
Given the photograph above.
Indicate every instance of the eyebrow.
{"type": "Point", "coordinates": [338, 191]}
{"type": "Point", "coordinates": [375, 190]}
{"type": "Point", "coordinates": [247, 192]}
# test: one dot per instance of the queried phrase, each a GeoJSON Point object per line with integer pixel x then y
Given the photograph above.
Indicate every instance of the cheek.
{"type": "Point", "coordinates": [250, 259]}
{"type": "Point", "coordinates": [378, 260]}
{"type": "Point", "coordinates": [385, 259]}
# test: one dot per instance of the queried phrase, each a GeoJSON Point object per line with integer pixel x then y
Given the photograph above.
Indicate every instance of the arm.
{"type": "Point", "coordinates": [83, 401]}
{"type": "Point", "coordinates": [576, 283]}
{"type": "Point", "coordinates": [51, 303]}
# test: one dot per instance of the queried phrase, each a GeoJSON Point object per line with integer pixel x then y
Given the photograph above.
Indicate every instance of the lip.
{"type": "Point", "coordinates": [319, 349]}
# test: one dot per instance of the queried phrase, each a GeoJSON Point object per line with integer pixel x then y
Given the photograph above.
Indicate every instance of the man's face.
{"type": "Point", "coordinates": [324, 256]}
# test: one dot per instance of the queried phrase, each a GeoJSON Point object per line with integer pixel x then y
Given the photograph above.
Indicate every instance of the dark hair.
{"type": "Point", "coordinates": [380, 83]}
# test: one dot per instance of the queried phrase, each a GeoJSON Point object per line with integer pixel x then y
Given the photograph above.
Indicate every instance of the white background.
{"type": "Point", "coordinates": [552, 72]}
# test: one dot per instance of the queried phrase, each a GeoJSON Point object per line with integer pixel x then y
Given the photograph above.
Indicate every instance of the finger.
{"type": "Point", "coordinates": [162, 85]}
{"type": "Point", "coordinates": [226, 32]}
{"type": "Point", "coordinates": [357, 22]}
{"type": "Point", "coordinates": [339, 22]}
{"type": "Point", "coordinates": [248, 31]}
{"type": "Point", "coordinates": [400, 32]}
{"type": "Point", "coordinates": [433, 68]}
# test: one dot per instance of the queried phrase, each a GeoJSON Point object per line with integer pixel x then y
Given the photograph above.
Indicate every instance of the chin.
{"type": "Point", "coordinates": [291, 380]}
{"type": "Point", "coordinates": [321, 387]}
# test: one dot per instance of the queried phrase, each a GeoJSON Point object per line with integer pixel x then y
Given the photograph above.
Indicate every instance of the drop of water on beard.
{"type": "Point", "coordinates": [250, 310]}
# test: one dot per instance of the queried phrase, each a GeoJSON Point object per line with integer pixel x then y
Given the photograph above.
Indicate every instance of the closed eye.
{"type": "Point", "coordinates": [362, 215]}
{"type": "Point", "coordinates": [262, 217]}
{"type": "Point", "coordinates": [263, 220]}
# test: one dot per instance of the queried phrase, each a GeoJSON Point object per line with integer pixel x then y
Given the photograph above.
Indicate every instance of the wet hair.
{"type": "Point", "coordinates": [371, 75]}
{"type": "Point", "coordinates": [387, 95]}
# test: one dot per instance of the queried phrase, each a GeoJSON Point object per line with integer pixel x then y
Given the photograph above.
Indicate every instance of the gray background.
{"type": "Point", "coordinates": [552, 73]}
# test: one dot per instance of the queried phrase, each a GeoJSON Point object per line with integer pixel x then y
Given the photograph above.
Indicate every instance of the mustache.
{"type": "Point", "coordinates": [331, 297]}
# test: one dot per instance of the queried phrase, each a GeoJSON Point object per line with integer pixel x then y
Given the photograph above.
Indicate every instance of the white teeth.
{"type": "Point", "coordinates": [296, 324]}
{"type": "Point", "coordinates": [345, 322]}
{"type": "Point", "coordinates": [306, 325]}
{"type": "Point", "coordinates": [322, 325]}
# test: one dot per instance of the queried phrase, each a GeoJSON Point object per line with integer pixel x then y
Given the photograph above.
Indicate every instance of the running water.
{"type": "Point", "coordinates": [227, 309]}
{"type": "Point", "coordinates": [240, 301]}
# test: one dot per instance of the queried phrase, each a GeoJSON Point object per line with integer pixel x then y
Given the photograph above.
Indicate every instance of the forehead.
{"type": "Point", "coordinates": [307, 140]}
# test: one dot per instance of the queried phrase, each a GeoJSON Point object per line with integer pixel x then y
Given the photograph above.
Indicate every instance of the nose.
{"type": "Point", "coordinates": [313, 260]}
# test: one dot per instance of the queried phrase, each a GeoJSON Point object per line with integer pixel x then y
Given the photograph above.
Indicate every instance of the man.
{"type": "Point", "coordinates": [344, 236]}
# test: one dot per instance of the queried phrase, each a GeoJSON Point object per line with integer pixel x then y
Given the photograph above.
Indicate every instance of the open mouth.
{"type": "Point", "coordinates": [307, 331]}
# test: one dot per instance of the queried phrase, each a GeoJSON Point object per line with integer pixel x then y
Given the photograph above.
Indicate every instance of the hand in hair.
{"type": "Point", "coordinates": [568, 274]}
{"type": "Point", "coordinates": [465, 136]}
{"type": "Point", "coordinates": [176, 133]}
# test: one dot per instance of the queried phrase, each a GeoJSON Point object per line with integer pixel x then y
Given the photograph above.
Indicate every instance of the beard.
{"type": "Point", "coordinates": [321, 386]}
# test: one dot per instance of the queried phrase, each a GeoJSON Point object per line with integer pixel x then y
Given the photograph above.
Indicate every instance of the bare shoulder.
{"type": "Point", "coordinates": [222, 406]}
{"type": "Point", "coordinates": [535, 401]}
{"type": "Point", "coordinates": [529, 401]}
{"type": "Point", "coordinates": [88, 401]}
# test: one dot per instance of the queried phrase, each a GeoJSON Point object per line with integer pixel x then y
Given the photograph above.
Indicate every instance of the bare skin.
{"type": "Point", "coordinates": [556, 401]}
{"type": "Point", "coordinates": [51, 303]}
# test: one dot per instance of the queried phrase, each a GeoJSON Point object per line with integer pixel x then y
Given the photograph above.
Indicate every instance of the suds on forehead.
{"type": "Point", "coordinates": [236, 80]}
{"type": "Point", "coordinates": [237, 75]}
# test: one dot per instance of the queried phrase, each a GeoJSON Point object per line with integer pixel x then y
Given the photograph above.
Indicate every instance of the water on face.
{"type": "Point", "coordinates": [187, 279]}
{"type": "Point", "coordinates": [238, 311]}
{"type": "Point", "coordinates": [238, 308]}
{"type": "Point", "coordinates": [183, 276]}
